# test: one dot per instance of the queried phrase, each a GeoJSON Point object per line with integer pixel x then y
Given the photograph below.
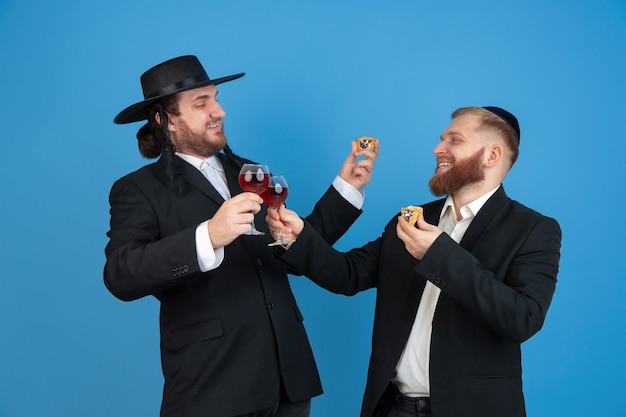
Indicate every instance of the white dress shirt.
{"type": "Point", "coordinates": [412, 375]}
{"type": "Point", "coordinates": [209, 257]}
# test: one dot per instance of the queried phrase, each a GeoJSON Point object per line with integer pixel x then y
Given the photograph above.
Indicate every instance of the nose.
{"type": "Point", "coordinates": [217, 111]}
{"type": "Point", "coordinates": [439, 149]}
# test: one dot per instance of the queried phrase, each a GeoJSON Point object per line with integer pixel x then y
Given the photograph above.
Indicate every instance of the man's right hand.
{"type": "Point", "coordinates": [233, 218]}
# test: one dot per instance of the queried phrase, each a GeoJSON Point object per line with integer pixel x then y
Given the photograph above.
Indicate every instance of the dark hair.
{"type": "Point", "coordinates": [153, 140]}
{"type": "Point", "coordinates": [149, 136]}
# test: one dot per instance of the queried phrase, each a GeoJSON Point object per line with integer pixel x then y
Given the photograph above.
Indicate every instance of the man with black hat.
{"type": "Point", "coordinates": [458, 292]}
{"type": "Point", "coordinates": [232, 338]}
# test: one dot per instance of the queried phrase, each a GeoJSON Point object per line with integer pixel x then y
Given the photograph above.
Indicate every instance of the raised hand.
{"type": "Point", "coordinates": [358, 172]}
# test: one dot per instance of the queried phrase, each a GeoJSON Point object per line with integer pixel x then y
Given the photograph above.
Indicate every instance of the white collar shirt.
{"type": "Point", "coordinates": [212, 169]}
{"type": "Point", "coordinates": [412, 375]}
{"type": "Point", "coordinates": [208, 257]}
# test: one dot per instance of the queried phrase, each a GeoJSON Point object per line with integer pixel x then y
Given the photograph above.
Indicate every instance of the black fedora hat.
{"type": "Point", "coordinates": [173, 76]}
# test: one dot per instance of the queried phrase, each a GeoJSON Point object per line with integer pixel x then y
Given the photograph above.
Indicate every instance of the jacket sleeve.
{"type": "Point", "coordinates": [139, 261]}
{"type": "Point", "coordinates": [332, 216]}
{"type": "Point", "coordinates": [342, 273]}
{"type": "Point", "coordinates": [513, 300]}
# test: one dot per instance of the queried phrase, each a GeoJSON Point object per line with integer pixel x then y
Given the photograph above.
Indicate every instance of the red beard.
{"type": "Point", "coordinates": [464, 172]}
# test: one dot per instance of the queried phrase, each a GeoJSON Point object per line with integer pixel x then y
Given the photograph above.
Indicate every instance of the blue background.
{"type": "Point", "coordinates": [319, 74]}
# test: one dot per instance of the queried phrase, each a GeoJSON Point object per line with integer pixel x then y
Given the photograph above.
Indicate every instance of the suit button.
{"type": "Point", "coordinates": [259, 262]}
{"type": "Point", "coordinates": [271, 306]}
{"type": "Point", "coordinates": [179, 270]}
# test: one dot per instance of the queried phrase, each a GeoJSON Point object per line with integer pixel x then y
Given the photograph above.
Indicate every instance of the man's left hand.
{"type": "Point", "coordinates": [358, 173]}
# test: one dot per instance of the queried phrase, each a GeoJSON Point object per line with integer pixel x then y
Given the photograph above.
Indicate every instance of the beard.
{"type": "Point", "coordinates": [190, 142]}
{"type": "Point", "coordinates": [462, 173]}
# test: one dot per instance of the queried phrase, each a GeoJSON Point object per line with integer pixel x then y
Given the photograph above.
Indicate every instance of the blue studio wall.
{"type": "Point", "coordinates": [318, 74]}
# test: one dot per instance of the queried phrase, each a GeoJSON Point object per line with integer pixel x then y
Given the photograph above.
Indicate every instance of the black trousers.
{"type": "Point", "coordinates": [394, 404]}
{"type": "Point", "coordinates": [285, 409]}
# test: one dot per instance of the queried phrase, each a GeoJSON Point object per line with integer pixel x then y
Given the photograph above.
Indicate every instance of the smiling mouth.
{"type": "Point", "coordinates": [442, 165]}
{"type": "Point", "coordinates": [214, 125]}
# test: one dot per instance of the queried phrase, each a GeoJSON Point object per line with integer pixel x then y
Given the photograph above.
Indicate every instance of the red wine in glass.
{"type": "Point", "coordinates": [276, 192]}
{"type": "Point", "coordinates": [254, 178]}
{"type": "Point", "coordinates": [275, 195]}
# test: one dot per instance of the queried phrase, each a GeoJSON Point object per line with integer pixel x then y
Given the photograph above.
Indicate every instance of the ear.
{"type": "Point", "coordinates": [493, 154]}
{"type": "Point", "coordinates": [171, 123]}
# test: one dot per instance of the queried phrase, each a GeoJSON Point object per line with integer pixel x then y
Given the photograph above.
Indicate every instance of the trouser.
{"type": "Point", "coordinates": [394, 404]}
{"type": "Point", "coordinates": [299, 409]}
{"type": "Point", "coordinates": [285, 409]}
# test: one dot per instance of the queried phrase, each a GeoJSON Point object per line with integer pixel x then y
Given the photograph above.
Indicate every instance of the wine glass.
{"type": "Point", "coordinates": [276, 191]}
{"type": "Point", "coordinates": [274, 195]}
{"type": "Point", "coordinates": [254, 178]}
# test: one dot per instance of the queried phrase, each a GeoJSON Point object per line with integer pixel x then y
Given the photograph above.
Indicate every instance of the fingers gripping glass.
{"type": "Point", "coordinates": [254, 178]}
{"type": "Point", "coordinates": [274, 195]}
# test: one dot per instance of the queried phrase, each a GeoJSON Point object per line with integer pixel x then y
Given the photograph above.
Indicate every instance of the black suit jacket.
{"type": "Point", "coordinates": [228, 336]}
{"type": "Point", "coordinates": [496, 287]}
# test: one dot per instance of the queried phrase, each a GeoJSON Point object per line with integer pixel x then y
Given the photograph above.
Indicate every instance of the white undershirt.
{"type": "Point", "coordinates": [412, 371]}
{"type": "Point", "coordinates": [209, 257]}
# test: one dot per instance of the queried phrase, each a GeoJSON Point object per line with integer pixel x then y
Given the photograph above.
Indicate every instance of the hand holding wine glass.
{"type": "Point", "coordinates": [284, 221]}
{"type": "Point", "coordinates": [274, 195]}
{"type": "Point", "coordinates": [254, 178]}
{"type": "Point", "coordinates": [229, 221]}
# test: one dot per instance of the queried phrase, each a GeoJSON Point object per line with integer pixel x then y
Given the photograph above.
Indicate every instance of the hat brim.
{"type": "Point", "coordinates": [140, 111]}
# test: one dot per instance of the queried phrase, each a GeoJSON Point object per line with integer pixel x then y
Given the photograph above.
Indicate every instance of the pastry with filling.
{"type": "Point", "coordinates": [411, 213]}
{"type": "Point", "coordinates": [365, 143]}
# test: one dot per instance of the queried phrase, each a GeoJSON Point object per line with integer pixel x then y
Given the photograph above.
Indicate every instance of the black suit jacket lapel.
{"type": "Point", "coordinates": [193, 177]}
{"type": "Point", "coordinates": [232, 175]}
{"type": "Point", "coordinates": [414, 288]}
{"type": "Point", "coordinates": [490, 209]}
{"type": "Point", "coordinates": [432, 211]}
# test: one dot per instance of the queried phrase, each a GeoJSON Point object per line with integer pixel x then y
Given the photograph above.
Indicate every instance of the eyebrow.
{"type": "Point", "coordinates": [204, 97]}
{"type": "Point", "coordinates": [452, 133]}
